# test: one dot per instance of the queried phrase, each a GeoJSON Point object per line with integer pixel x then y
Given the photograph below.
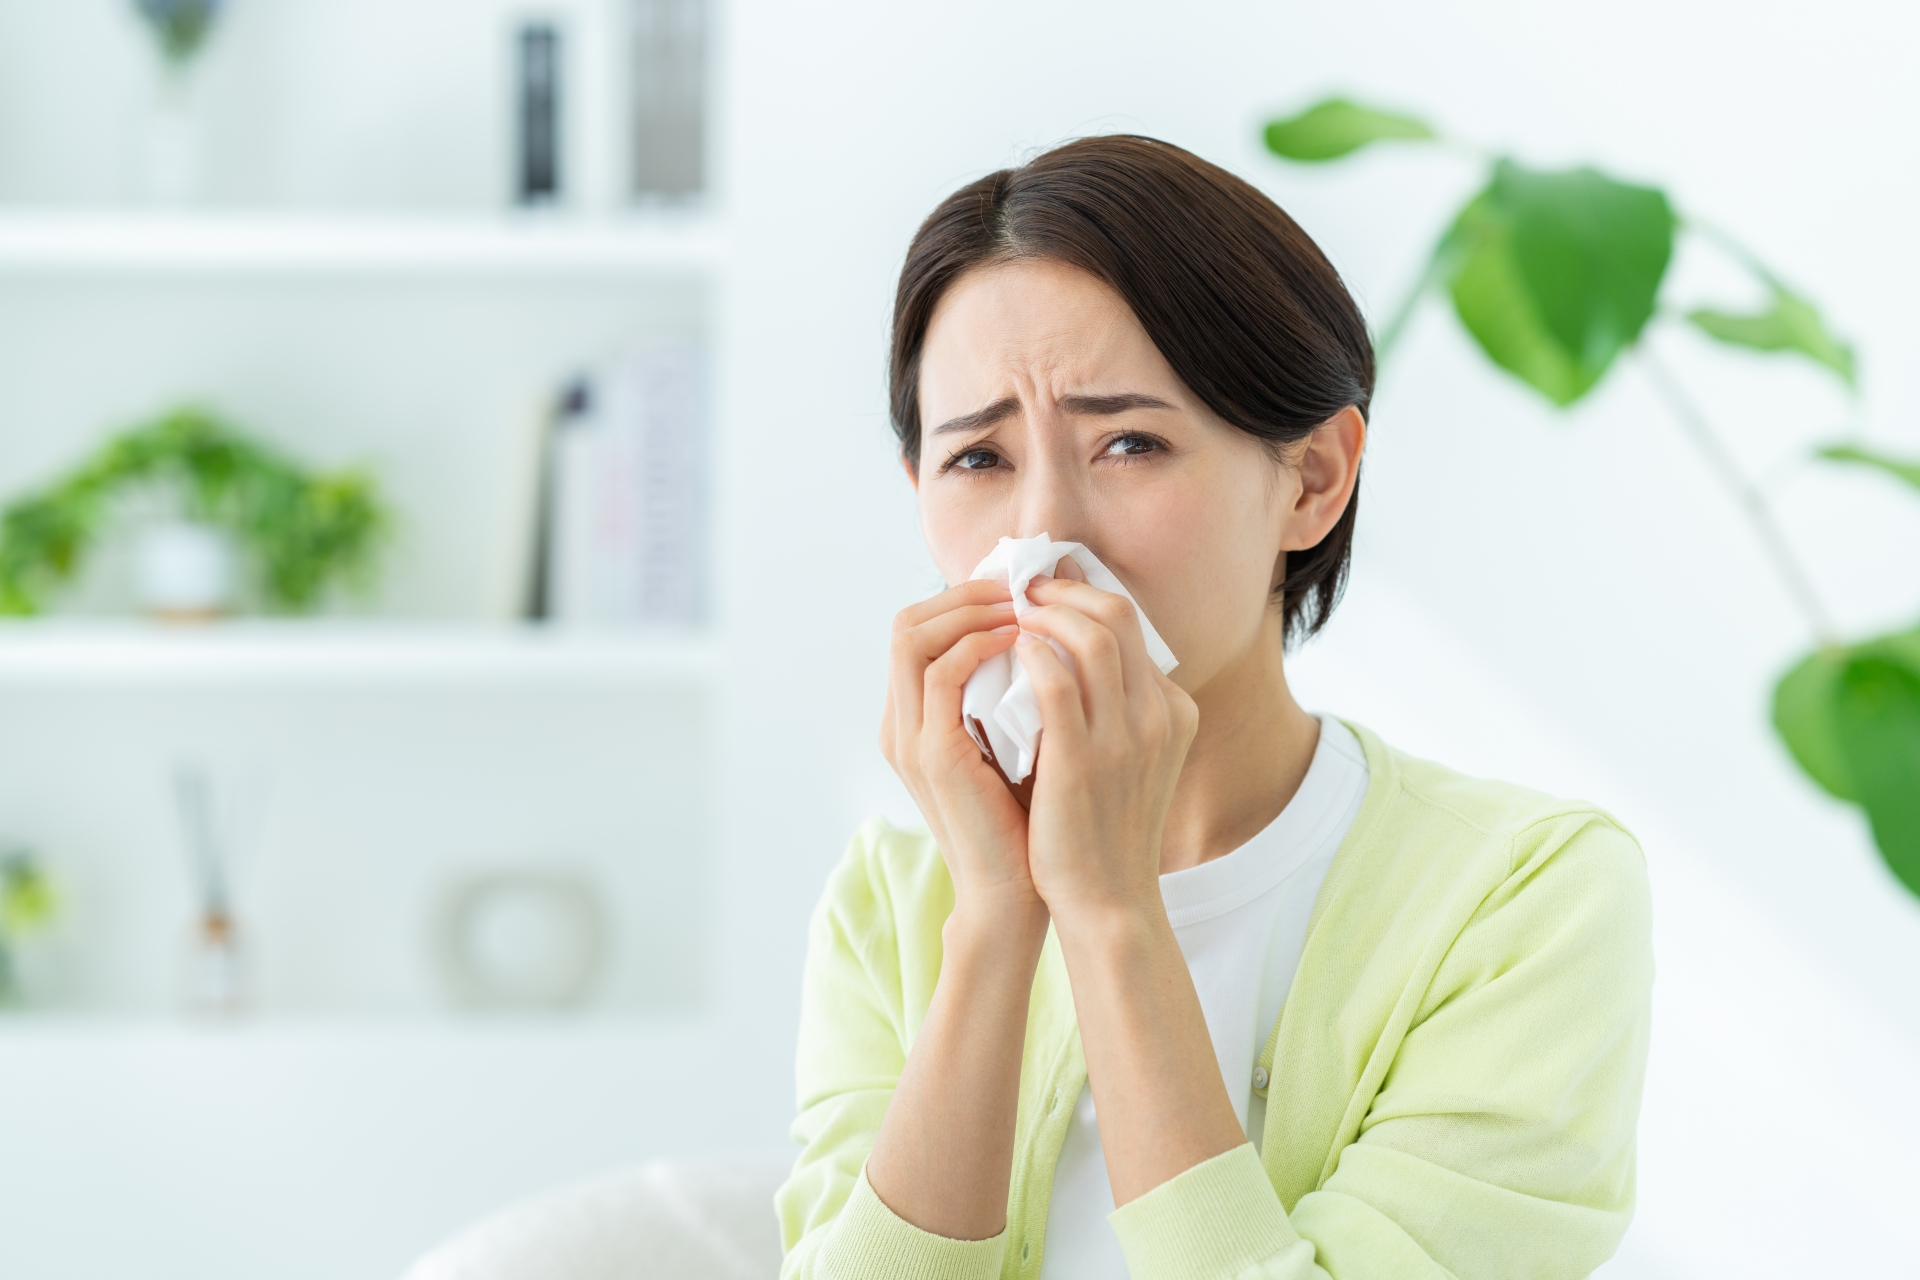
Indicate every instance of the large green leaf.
{"type": "Point", "coordinates": [1791, 323]}
{"type": "Point", "coordinates": [1877, 716]}
{"type": "Point", "coordinates": [1806, 706]}
{"type": "Point", "coordinates": [1899, 468]}
{"type": "Point", "coordinates": [1555, 274]}
{"type": "Point", "coordinates": [1493, 303]}
{"type": "Point", "coordinates": [1337, 127]}
{"type": "Point", "coordinates": [1803, 715]}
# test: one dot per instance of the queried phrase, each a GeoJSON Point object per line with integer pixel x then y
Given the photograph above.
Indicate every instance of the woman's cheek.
{"type": "Point", "coordinates": [956, 538]}
{"type": "Point", "coordinates": [1207, 604]}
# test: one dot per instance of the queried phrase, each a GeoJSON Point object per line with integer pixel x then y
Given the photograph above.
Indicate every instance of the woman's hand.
{"type": "Point", "coordinates": [980, 828]}
{"type": "Point", "coordinates": [1115, 738]}
{"type": "Point", "coordinates": [1111, 749]}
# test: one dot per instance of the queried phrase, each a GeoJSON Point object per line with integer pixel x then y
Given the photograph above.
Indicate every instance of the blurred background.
{"type": "Point", "coordinates": [544, 344]}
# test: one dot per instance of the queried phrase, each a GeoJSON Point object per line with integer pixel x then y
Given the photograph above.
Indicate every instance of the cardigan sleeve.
{"type": "Point", "coordinates": [1500, 1142]}
{"type": "Point", "coordinates": [853, 1045]}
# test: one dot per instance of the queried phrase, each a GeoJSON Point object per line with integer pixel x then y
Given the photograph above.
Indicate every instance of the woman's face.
{"type": "Point", "coordinates": [1045, 408]}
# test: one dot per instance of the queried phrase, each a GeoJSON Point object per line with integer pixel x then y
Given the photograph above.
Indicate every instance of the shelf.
{"type": "Point", "coordinates": [56, 1030]}
{"type": "Point", "coordinates": [69, 653]}
{"type": "Point", "coordinates": [117, 244]}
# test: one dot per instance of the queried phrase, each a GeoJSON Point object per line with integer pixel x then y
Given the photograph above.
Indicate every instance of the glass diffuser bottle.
{"type": "Point", "coordinates": [213, 970]}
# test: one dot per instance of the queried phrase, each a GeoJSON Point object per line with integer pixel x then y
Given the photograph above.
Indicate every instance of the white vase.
{"type": "Point", "coordinates": [170, 143]}
{"type": "Point", "coordinates": [183, 571]}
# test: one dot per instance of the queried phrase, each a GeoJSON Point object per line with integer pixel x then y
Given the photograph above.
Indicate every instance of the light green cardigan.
{"type": "Point", "coordinates": [1455, 1075]}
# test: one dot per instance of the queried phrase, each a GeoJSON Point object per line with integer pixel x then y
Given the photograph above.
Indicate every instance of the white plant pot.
{"type": "Point", "coordinates": [184, 571]}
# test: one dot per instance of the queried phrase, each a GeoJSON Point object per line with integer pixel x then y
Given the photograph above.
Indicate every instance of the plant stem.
{"type": "Point", "coordinates": [1746, 257]}
{"type": "Point", "coordinates": [1389, 336]}
{"type": "Point", "coordinates": [1746, 495]}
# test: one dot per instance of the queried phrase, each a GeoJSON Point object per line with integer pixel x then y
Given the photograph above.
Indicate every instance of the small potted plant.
{"type": "Point", "coordinates": [27, 905]}
{"type": "Point", "coordinates": [300, 531]}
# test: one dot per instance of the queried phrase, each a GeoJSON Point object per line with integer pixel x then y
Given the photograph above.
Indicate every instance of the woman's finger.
{"type": "Point", "coordinates": [915, 646]}
{"type": "Point", "coordinates": [946, 676]}
{"type": "Point", "coordinates": [1057, 691]}
{"type": "Point", "coordinates": [1103, 686]}
{"type": "Point", "coordinates": [1115, 612]}
{"type": "Point", "coordinates": [978, 591]}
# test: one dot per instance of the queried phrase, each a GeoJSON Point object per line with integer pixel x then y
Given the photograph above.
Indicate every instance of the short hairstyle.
{"type": "Point", "coordinates": [1240, 301]}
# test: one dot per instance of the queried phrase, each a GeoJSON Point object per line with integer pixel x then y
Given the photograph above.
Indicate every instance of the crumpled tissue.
{"type": "Point", "coordinates": [998, 705]}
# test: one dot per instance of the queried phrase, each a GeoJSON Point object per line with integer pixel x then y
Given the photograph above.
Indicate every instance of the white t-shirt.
{"type": "Point", "coordinates": [1241, 921]}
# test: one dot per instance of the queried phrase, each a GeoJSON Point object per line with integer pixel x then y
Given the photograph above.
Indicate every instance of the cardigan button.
{"type": "Point", "coordinates": [1260, 1077]}
{"type": "Point", "coordinates": [1026, 1249]}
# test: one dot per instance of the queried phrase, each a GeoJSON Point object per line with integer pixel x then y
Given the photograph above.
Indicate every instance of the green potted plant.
{"type": "Point", "coordinates": [1557, 275]}
{"type": "Point", "coordinates": [27, 905]}
{"type": "Point", "coordinates": [301, 531]}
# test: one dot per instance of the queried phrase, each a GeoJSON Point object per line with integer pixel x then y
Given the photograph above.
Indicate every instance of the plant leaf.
{"type": "Point", "coordinates": [306, 529]}
{"type": "Point", "coordinates": [1492, 301]}
{"type": "Point", "coordinates": [1791, 323]}
{"type": "Point", "coordinates": [27, 898]}
{"type": "Point", "coordinates": [1877, 715]}
{"type": "Point", "coordinates": [1337, 127]}
{"type": "Point", "coordinates": [1900, 468]}
{"type": "Point", "coordinates": [1556, 273]}
{"type": "Point", "coordinates": [1803, 716]}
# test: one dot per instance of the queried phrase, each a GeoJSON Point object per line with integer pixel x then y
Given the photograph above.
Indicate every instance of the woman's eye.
{"type": "Point", "coordinates": [976, 460]}
{"type": "Point", "coordinates": [1131, 446]}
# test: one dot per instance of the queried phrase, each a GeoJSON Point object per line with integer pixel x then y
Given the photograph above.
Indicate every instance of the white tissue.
{"type": "Point", "coordinates": [999, 696]}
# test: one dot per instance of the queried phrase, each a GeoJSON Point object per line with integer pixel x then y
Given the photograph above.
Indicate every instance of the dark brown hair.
{"type": "Point", "coordinates": [1243, 305]}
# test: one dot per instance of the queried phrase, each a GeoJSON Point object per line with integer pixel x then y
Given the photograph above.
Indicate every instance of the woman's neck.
{"type": "Point", "coordinates": [1247, 759]}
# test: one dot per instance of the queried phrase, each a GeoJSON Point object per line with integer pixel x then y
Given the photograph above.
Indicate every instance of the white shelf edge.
{"type": "Point", "coordinates": [116, 244]}
{"type": "Point", "coordinates": [49, 1026]}
{"type": "Point", "coordinates": [67, 654]}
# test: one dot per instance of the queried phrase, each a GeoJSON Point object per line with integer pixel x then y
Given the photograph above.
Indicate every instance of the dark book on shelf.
{"type": "Point", "coordinates": [537, 175]}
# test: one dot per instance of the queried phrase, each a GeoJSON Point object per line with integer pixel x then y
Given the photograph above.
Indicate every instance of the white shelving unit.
{"type": "Point", "coordinates": [121, 244]}
{"type": "Point", "coordinates": [364, 298]}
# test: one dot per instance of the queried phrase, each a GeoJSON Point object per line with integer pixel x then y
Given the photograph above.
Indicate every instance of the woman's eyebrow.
{"type": "Point", "coordinates": [1102, 406]}
{"type": "Point", "coordinates": [1005, 407]}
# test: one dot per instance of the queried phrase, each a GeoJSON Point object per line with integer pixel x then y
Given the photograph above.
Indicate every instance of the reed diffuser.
{"type": "Point", "coordinates": [214, 971]}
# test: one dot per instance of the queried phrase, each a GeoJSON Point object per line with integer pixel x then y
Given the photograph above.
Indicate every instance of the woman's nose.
{"type": "Point", "coordinates": [1049, 500]}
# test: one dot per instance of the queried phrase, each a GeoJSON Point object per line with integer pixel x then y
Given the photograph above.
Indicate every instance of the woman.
{"type": "Point", "coordinates": [1242, 991]}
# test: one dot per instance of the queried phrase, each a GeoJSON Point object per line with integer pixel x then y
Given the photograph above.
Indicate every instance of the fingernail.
{"type": "Point", "coordinates": [1011, 626]}
{"type": "Point", "coordinates": [1005, 606]}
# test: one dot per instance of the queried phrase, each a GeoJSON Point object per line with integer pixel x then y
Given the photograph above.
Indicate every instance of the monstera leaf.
{"type": "Point", "coordinates": [1555, 274]}
{"type": "Point", "coordinates": [1337, 127]}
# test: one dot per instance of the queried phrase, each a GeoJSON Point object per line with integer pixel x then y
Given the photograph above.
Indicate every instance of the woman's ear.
{"type": "Point", "coordinates": [1328, 470]}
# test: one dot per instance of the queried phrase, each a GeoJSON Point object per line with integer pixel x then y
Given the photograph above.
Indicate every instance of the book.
{"type": "Point", "coordinates": [667, 97]}
{"type": "Point", "coordinates": [624, 524]}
